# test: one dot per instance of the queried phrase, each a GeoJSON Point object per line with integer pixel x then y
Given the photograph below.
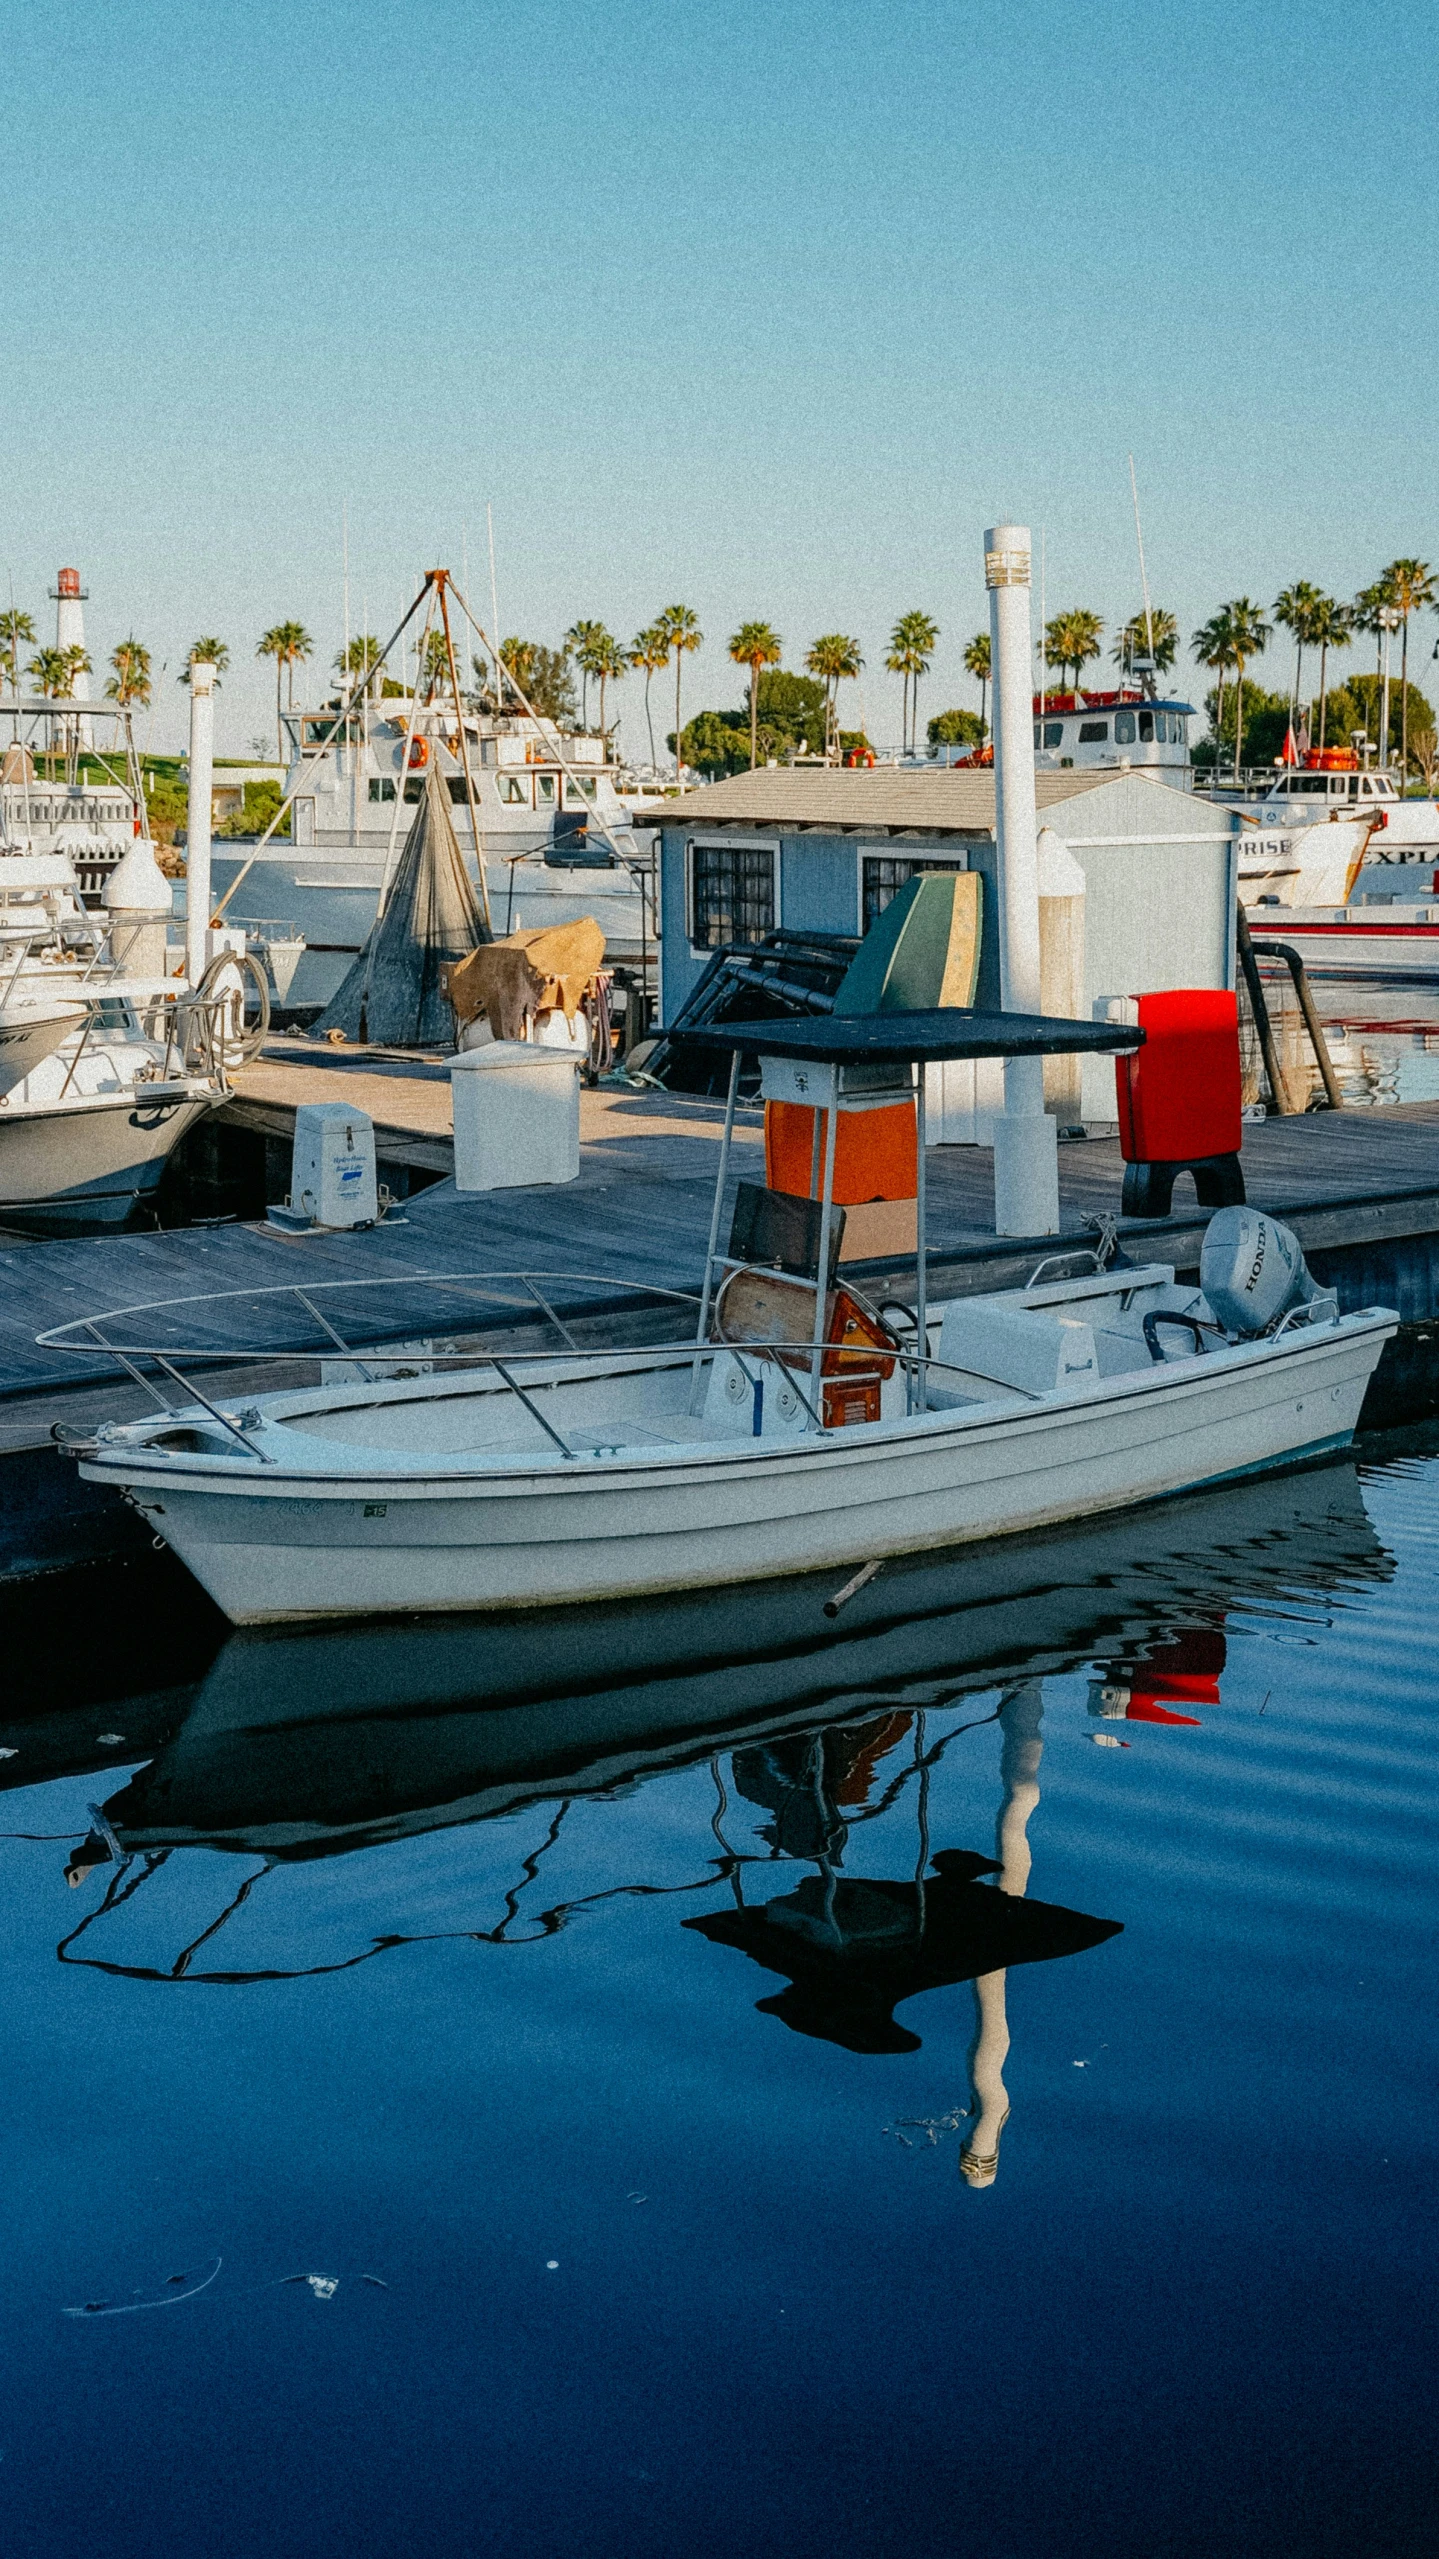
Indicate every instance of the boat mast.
{"type": "Point", "coordinates": [1143, 573]}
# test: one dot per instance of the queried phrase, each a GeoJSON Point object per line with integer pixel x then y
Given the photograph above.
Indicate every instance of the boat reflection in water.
{"type": "Point", "coordinates": [299, 1745]}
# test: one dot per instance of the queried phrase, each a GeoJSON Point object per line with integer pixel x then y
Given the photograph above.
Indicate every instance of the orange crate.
{"type": "Point", "coordinates": [875, 1153]}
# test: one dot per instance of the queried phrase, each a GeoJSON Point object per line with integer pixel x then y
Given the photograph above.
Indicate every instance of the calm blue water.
{"type": "Point", "coordinates": [691, 2226]}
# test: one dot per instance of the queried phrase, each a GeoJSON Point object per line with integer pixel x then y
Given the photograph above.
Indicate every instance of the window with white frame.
{"type": "Point", "coordinates": [732, 893]}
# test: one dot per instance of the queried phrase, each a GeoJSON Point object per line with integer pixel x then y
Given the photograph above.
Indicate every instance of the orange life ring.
{"type": "Point", "coordinates": [419, 754]}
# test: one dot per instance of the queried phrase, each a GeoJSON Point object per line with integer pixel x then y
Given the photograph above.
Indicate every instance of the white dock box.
{"type": "Point", "coordinates": [517, 1115]}
{"type": "Point", "coordinates": [332, 1171]}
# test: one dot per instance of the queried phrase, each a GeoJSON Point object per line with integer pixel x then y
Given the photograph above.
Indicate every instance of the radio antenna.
{"type": "Point", "coordinates": [1143, 574]}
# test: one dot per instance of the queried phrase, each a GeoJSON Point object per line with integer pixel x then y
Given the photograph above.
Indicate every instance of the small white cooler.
{"type": "Point", "coordinates": [517, 1115]}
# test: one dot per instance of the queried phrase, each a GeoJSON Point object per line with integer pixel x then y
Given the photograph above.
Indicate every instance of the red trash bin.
{"type": "Point", "coordinates": [1180, 1103]}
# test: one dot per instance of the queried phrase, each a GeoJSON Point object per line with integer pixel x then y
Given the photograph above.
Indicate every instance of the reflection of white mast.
{"type": "Point", "coordinates": [1020, 1717]}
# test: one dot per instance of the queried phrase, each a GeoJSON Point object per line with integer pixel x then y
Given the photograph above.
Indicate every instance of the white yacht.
{"type": "Point", "coordinates": [105, 1060]}
{"type": "Point", "coordinates": [555, 835]}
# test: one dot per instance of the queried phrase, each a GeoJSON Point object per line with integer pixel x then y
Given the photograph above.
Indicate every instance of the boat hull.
{"type": "Point", "coordinates": [1394, 950]}
{"type": "Point", "coordinates": [28, 1038]}
{"type": "Point", "coordinates": [78, 1168]}
{"type": "Point", "coordinates": [272, 1546]}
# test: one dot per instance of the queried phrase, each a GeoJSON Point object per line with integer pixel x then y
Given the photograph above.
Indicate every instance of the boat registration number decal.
{"type": "Point", "coordinates": [376, 1510]}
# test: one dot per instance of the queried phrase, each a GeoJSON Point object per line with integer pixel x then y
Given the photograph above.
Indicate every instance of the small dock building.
{"type": "Point", "coordinates": [824, 850]}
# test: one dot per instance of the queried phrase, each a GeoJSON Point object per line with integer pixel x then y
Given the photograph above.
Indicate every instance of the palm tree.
{"type": "Point", "coordinates": [609, 664]}
{"type": "Point", "coordinates": [434, 664]}
{"type": "Point", "coordinates": [1148, 635]}
{"type": "Point", "coordinates": [1411, 586]}
{"type": "Point", "coordinates": [1298, 608]}
{"type": "Point", "coordinates": [1072, 639]}
{"type": "Point", "coordinates": [581, 639]}
{"type": "Point", "coordinates": [650, 649]}
{"type": "Point", "coordinates": [51, 670]}
{"type": "Point", "coordinates": [755, 645]}
{"type": "Point", "coordinates": [1332, 627]}
{"type": "Point", "coordinates": [55, 670]}
{"type": "Point", "coordinates": [17, 631]}
{"type": "Point", "coordinates": [1213, 646]}
{"type": "Point", "coordinates": [1249, 636]}
{"type": "Point", "coordinates": [979, 664]}
{"type": "Point", "coordinates": [78, 661]}
{"type": "Point", "coordinates": [682, 631]}
{"type": "Point", "coordinates": [832, 658]}
{"type": "Point", "coordinates": [210, 652]}
{"type": "Point", "coordinates": [1370, 607]}
{"type": "Point", "coordinates": [130, 684]}
{"type": "Point", "coordinates": [360, 658]}
{"type": "Point", "coordinates": [284, 642]}
{"type": "Point", "coordinates": [911, 645]}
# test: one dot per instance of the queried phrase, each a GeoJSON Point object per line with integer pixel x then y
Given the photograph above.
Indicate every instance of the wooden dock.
{"type": "Point", "coordinates": [1361, 1189]}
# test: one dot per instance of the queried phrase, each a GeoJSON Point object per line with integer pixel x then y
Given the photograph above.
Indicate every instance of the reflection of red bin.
{"type": "Point", "coordinates": [1180, 1104]}
{"type": "Point", "coordinates": [875, 1154]}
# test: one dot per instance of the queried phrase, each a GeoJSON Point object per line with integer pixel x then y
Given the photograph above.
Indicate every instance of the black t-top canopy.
{"type": "Point", "coordinates": [899, 1039]}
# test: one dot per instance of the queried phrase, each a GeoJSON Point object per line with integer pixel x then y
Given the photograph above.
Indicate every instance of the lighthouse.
{"type": "Point", "coordinates": [68, 597]}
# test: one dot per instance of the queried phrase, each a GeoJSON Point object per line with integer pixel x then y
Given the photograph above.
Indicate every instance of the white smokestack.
{"type": "Point", "coordinates": [1026, 1167]}
{"type": "Point", "coordinates": [197, 822]}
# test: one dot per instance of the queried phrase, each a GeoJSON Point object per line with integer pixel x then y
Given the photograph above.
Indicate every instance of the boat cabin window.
{"type": "Point", "coordinates": [1124, 728]}
{"type": "Point", "coordinates": [546, 785]}
{"type": "Point", "coordinates": [883, 875]}
{"type": "Point", "coordinates": [459, 795]}
{"type": "Point", "coordinates": [414, 792]}
{"type": "Point", "coordinates": [515, 790]}
{"type": "Point", "coordinates": [731, 893]}
{"type": "Point", "coordinates": [382, 789]}
{"type": "Point", "coordinates": [1151, 725]}
{"type": "Point", "coordinates": [1093, 732]}
{"type": "Point", "coordinates": [1054, 732]}
{"type": "Point", "coordinates": [579, 790]}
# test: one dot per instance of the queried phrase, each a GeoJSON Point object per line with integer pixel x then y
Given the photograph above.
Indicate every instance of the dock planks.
{"type": "Point", "coordinates": [639, 1212]}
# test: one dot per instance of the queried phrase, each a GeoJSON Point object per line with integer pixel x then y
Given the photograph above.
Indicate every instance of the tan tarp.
{"type": "Point", "coordinates": [547, 970]}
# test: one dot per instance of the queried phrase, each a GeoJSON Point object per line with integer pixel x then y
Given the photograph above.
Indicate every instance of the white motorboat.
{"type": "Point", "coordinates": [754, 1450]}
{"type": "Point", "coordinates": [102, 1069]}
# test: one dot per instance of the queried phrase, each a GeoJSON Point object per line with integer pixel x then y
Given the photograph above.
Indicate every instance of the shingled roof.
{"type": "Point", "coordinates": [885, 798]}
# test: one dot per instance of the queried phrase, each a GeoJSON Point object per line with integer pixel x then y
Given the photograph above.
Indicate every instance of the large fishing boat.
{"type": "Point", "coordinates": [553, 843]}
{"type": "Point", "coordinates": [1343, 867]}
{"type": "Point", "coordinates": [1128, 729]}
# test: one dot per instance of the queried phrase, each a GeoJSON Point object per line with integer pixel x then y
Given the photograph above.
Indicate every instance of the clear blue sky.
{"type": "Point", "coordinates": [764, 309]}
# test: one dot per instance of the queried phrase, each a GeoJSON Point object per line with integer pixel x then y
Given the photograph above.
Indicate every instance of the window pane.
{"type": "Point", "coordinates": [1124, 728]}
{"type": "Point", "coordinates": [515, 791]}
{"type": "Point", "coordinates": [884, 875]}
{"type": "Point", "coordinates": [733, 894]}
{"type": "Point", "coordinates": [382, 790]}
{"type": "Point", "coordinates": [1146, 727]}
{"type": "Point", "coordinates": [1093, 732]}
{"type": "Point", "coordinates": [545, 789]}
{"type": "Point", "coordinates": [414, 793]}
{"type": "Point", "coordinates": [1053, 732]}
{"type": "Point", "coordinates": [579, 790]}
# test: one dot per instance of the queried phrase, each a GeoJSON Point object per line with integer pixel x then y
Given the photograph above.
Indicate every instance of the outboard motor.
{"type": "Point", "coordinates": [1252, 1271]}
